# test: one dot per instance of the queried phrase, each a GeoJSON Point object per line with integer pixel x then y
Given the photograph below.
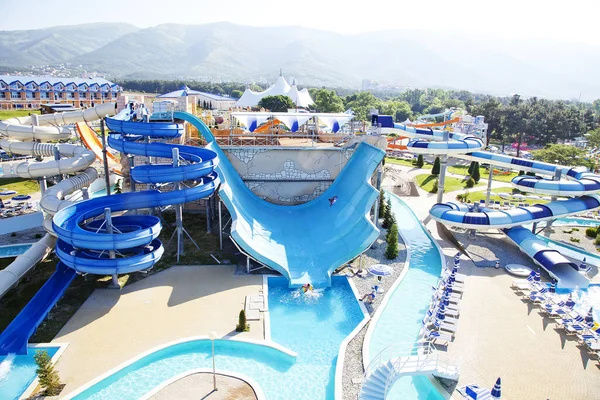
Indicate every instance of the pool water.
{"type": "Point", "coordinates": [17, 372]}
{"type": "Point", "coordinates": [14, 250]}
{"type": "Point", "coordinates": [314, 327]}
{"type": "Point", "coordinates": [400, 320]}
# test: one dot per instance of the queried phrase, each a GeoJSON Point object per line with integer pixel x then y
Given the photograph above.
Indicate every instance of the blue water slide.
{"type": "Point", "coordinates": [85, 243]}
{"type": "Point", "coordinates": [154, 129]}
{"type": "Point", "coordinates": [305, 242]}
{"type": "Point", "coordinates": [557, 265]}
{"type": "Point", "coordinates": [14, 338]}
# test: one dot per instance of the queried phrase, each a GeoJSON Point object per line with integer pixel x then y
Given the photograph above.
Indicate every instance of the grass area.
{"type": "Point", "coordinates": [499, 176]}
{"type": "Point", "coordinates": [6, 114]}
{"type": "Point", "coordinates": [82, 287]}
{"type": "Point", "coordinates": [480, 195]}
{"type": "Point", "coordinates": [407, 163]}
{"type": "Point", "coordinates": [426, 182]}
{"type": "Point", "coordinates": [21, 186]}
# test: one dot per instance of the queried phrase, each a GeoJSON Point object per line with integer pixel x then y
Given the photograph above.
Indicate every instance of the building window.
{"type": "Point", "coordinates": [14, 95]}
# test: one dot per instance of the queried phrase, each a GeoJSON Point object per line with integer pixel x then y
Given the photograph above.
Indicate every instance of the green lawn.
{"type": "Point", "coordinates": [407, 163]}
{"type": "Point", "coordinates": [426, 181]}
{"type": "Point", "coordinates": [480, 195]}
{"type": "Point", "coordinates": [22, 186]}
{"type": "Point", "coordinates": [6, 114]}
{"type": "Point", "coordinates": [500, 176]}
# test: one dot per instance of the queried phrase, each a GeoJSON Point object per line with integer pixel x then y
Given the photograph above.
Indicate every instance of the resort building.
{"type": "Point", "coordinates": [30, 92]}
{"type": "Point", "coordinates": [204, 100]}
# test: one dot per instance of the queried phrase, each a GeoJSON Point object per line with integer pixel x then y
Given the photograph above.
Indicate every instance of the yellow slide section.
{"type": "Point", "coordinates": [450, 121]}
{"type": "Point", "coordinates": [92, 142]}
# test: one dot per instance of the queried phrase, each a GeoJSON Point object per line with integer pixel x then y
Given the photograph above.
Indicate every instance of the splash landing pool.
{"type": "Point", "coordinates": [313, 327]}
{"type": "Point", "coordinates": [17, 372]}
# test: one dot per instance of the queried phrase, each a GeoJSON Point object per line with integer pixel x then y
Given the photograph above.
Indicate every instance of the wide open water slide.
{"type": "Point", "coordinates": [14, 338]}
{"type": "Point", "coordinates": [582, 183]}
{"type": "Point", "coordinates": [305, 242]}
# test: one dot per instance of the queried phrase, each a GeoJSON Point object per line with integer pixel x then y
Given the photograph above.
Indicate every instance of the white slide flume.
{"type": "Point", "coordinates": [18, 135]}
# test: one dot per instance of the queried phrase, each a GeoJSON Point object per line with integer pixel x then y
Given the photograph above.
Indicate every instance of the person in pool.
{"type": "Point", "coordinates": [332, 200]}
{"type": "Point", "coordinates": [307, 287]}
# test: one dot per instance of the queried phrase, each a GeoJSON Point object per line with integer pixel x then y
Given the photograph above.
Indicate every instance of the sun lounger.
{"type": "Point", "coordinates": [435, 336]}
{"type": "Point", "coordinates": [564, 322]}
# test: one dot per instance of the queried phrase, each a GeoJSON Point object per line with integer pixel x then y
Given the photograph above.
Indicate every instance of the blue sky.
{"type": "Point", "coordinates": [573, 20]}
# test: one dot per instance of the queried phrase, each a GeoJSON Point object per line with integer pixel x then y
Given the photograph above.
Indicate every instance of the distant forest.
{"type": "Point", "coordinates": [533, 120]}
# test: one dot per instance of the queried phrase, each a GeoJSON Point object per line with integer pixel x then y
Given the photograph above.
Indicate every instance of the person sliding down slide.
{"type": "Point", "coordinates": [332, 201]}
{"type": "Point", "coordinates": [307, 287]}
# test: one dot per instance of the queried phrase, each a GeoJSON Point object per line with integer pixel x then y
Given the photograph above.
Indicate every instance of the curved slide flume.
{"type": "Point", "coordinates": [304, 242]}
{"type": "Point", "coordinates": [85, 242]}
{"type": "Point", "coordinates": [430, 141]}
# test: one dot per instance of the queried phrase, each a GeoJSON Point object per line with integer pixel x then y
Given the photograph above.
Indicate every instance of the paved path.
{"type": "Point", "coordinates": [114, 326]}
{"type": "Point", "coordinates": [200, 387]}
{"type": "Point", "coordinates": [499, 335]}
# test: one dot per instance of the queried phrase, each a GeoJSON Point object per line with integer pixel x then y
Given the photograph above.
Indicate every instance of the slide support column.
{"type": "Point", "coordinates": [220, 226]}
{"type": "Point", "coordinates": [489, 186]}
{"type": "Point", "coordinates": [57, 158]}
{"type": "Point", "coordinates": [43, 185]}
{"type": "Point", "coordinates": [378, 184]}
{"type": "Point", "coordinates": [104, 157]}
{"type": "Point", "coordinates": [178, 210]}
{"type": "Point", "coordinates": [442, 178]}
{"type": "Point", "coordinates": [111, 253]}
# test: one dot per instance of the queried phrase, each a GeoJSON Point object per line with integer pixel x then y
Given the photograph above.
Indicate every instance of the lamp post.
{"type": "Point", "coordinates": [212, 335]}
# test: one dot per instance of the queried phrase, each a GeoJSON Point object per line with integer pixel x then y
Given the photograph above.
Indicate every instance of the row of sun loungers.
{"type": "Point", "coordinates": [441, 319]}
{"type": "Point", "coordinates": [565, 317]}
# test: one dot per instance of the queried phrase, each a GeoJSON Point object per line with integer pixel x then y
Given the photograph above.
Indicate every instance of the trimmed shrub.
{"type": "Point", "coordinates": [591, 232]}
{"type": "Point", "coordinates": [48, 377]}
{"type": "Point", "coordinates": [470, 183]}
{"type": "Point", "coordinates": [420, 161]}
{"type": "Point", "coordinates": [435, 187]}
{"type": "Point", "coordinates": [470, 170]}
{"type": "Point", "coordinates": [242, 325]}
{"type": "Point", "coordinates": [382, 205]}
{"type": "Point", "coordinates": [435, 170]}
{"type": "Point", "coordinates": [391, 251]}
{"type": "Point", "coordinates": [476, 174]}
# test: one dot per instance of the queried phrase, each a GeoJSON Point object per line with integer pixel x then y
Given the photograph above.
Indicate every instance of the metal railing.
{"type": "Point", "coordinates": [292, 139]}
{"type": "Point", "coordinates": [398, 350]}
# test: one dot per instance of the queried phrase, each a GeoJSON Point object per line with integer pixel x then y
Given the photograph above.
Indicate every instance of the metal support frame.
{"type": "Point", "coordinates": [57, 158]}
{"type": "Point", "coordinates": [220, 226]}
{"type": "Point", "coordinates": [114, 284]}
{"type": "Point", "coordinates": [442, 178]}
{"type": "Point", "coordinates": [105, 158]}
{"type": "Point", "coordinates": [489, 186]}
{"type": "Point", "coordinates": [378, 185]}
{"type": "Point", "coordinates": [179, 229]}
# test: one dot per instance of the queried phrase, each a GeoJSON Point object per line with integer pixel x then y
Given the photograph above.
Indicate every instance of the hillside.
{"type": "Point", "coordinates": [233, 52]}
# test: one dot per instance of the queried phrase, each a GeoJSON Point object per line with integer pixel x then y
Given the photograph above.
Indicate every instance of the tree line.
{"type": "Point", "coordinates": [511, 119]}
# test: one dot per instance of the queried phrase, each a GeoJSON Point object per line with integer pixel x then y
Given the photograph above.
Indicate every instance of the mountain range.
{"type": "Point", "coordinates": [230, 52]}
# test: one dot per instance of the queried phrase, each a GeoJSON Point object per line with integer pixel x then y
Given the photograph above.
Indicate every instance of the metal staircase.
{"type": "Point", "coordinates": [404, 360]}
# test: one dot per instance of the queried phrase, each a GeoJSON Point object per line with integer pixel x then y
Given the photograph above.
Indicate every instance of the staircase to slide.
{"type": "Point", "coordinates": [389, 366]}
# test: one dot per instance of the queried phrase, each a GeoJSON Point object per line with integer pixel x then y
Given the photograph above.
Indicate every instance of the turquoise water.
{"type": "Point", "coordinates": [313, 327]}
{"type": "Point", "coordinates": [13, 250]}
{"type": "Point", "coordinates": [17, 373]}
{"type": "Point", "coordinates": [400, 320]}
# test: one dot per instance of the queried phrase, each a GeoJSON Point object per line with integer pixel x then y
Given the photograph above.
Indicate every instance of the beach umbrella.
{"type": "Point", "coordinates": [380, 269]}
{"type": "Point", "coordinates": [538, 276]}
{"type": "Point", "coordinates": [552, 288]}
{"type": "Point", "coordinates": [518, 196]}
{"type": "Point", "coordinates": [583, 266]}
{"type": "Point", "coordinates": [589, 318]}
{"type": "Point", "coordinates": [496, 390]}
{"type": "Point", "coordinates": [457, 256]}
{"type": "Point", "coordinates": [21, 197]}
{"type": "Point", "coordinates": [570, 303]}
{"type": "Point", "coordinates": [441, 315]}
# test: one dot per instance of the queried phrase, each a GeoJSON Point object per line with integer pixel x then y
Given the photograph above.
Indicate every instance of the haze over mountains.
{"type": "Point", "coordinates": [230, 52]}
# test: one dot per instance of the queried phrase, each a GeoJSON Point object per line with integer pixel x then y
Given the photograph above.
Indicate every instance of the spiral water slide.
{"type": "Point", "coordinates": [580, 184]}
{"type": "Point", "coordinates": [17, 137]}
{"type": "Point", "coordinates": [92, 240]}
{"type": "Point", "coordinates": [305, 242]}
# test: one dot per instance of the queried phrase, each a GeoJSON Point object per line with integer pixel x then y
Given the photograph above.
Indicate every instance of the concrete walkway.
{"type": "Point", "coordinates": [200, 386]}
{"type": "Point", "coordinates": [500, 335]}
{"type": "Point", "coordinates": [114, 326]}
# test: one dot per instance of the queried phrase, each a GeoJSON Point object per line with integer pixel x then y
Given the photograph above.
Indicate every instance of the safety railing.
{"type": "Point", "coordinates": [289, 140]}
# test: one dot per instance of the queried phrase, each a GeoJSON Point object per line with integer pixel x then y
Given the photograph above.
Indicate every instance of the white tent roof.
{"type": "Point", "coordinates": [300, 97]}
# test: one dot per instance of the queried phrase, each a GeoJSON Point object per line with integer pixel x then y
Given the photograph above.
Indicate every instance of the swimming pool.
{"type": "Point", "coordinates": [13, 250]}
{"type": "Point", "coordinates": [313, 327]}
{"type": "Point", "coordinates": [399, 321]}
{"type": "Point", "coordinates": [17, 372]}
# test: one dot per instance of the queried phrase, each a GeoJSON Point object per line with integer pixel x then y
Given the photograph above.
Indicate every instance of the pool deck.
{"type": "Point", "coordinates": [500, 335]}
{"type": "Point", "coordinates": [200, 386]}
{"type": "Point", "coordinates": [115, 326]}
